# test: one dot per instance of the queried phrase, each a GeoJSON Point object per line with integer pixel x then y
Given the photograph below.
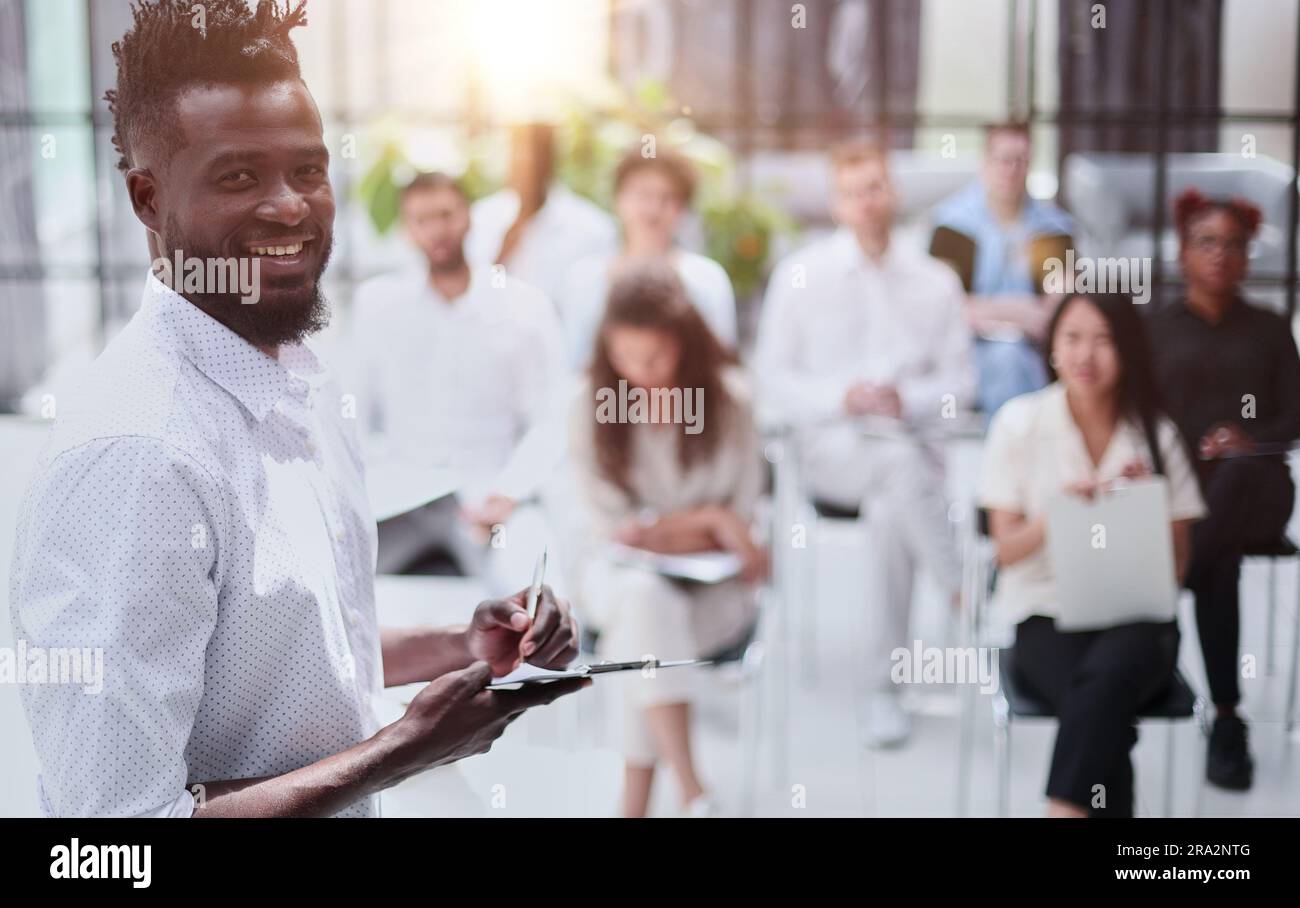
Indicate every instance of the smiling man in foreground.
{"type": "Point", "coordinates": [199, 510]}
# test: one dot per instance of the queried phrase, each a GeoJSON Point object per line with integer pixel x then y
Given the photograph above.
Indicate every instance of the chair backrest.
{"type": "Point", "coordinates": [799, 182]}
{"type": "Point", "coordinates": [1112, 195]}
{"type": "Point", "coordinates": [1108, 185]}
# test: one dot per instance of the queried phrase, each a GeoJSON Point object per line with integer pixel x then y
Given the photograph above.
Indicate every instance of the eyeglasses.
{"type": "Point", "coordinates": [1212, 244]}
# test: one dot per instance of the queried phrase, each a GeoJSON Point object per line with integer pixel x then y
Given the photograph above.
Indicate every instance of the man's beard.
{"type": "Point", "coordinates": [450, 264]}
{"type": "Point", "coordinates": [280, 316]}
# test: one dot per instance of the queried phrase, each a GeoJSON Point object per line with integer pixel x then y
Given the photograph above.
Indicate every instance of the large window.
{"type": "Point", "coordinates": [1162, 81]}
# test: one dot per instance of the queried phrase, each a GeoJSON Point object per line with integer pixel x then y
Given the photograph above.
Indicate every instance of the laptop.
{"type": "Point", "coordinates": [1113, 557]}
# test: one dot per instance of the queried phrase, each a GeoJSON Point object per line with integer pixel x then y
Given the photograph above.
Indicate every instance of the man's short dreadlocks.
{"type": "Point", "coordinates": [166, 51]}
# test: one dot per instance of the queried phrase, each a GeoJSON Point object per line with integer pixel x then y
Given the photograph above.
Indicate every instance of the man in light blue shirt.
{"type": "Point", "coordinates": [998, 237]}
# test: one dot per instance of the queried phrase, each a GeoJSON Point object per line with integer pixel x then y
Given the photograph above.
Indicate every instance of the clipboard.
{"type": "Point", "coordinates": [528, 674]}
{"type": "Point", "coordinates": [1129, 576]}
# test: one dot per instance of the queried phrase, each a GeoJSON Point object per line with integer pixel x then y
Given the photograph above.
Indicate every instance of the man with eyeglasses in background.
{"type": "Point", "coordinates": [999, 239]}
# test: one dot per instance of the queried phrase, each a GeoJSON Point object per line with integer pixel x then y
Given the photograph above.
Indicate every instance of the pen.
{"type": "Point", "coordinates": [535, 592]}
{"type": "Point", "coordinates": [1262, 449]}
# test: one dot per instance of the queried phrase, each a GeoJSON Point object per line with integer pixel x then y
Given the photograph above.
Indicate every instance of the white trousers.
{"type": "Point", "coordinates": [640, 614]}
{"type": "Point", "coordinates": [898, 486]}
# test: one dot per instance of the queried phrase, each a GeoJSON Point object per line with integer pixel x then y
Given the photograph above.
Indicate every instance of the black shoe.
{"type": "Point", "coordinates": [1228, 763]}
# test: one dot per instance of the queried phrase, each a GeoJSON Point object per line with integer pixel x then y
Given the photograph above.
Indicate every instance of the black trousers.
{"type": "Point", "coordinates": [1249, 500]}
{"type": "Point", "coordinates": [1096, 682]}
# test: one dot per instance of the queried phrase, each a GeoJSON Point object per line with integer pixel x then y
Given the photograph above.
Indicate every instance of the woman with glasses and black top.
{"type": "Point", "coordinates": [1097, 422]}
{"type": "Point", "coordinates": [1230, 378]}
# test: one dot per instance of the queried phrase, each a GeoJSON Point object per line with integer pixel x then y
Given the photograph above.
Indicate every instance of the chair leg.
{"type": "Point", "coordinates": [1295, 659]}
{"type": "Point", "coordinates": [779, 675]}
{"type": "Point", "coordinates": [1269, 660]}
{"type": "Point", "coordinates": [751, 705]}
{"type": "Point", "coordinates": [1169, 769]}
{"type": "Point", "coordinates": [808, 613]}
{"type": "Point", "coordinates": [1002, 753]}
{"type": "Point", "coordinates": [966, 698]}
{"type": "Point", "coordinates": [1201, 713]}
{"type": "Point", "coordinates": [965, 746]}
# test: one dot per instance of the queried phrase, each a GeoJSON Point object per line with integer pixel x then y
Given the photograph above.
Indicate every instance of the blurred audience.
{"type": "Point", "coordinates": [866, 351]}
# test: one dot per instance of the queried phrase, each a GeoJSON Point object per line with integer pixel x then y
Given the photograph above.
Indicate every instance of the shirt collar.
{"type": "Point", "coordinates": [1057, 411]}
{"type": "Point", "coordinates": [1034, 217]}
{"type": "Point", "coordinates": [853, 259]}
{"type": "Point", "coordinates": [1060, 424]}
{"type": "Point", "coordinates": [254, 379]}
{"type": "Point", "coordinates": [480, 276]}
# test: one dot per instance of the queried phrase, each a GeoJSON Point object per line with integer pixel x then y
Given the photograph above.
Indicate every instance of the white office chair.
{"type": "Point", "coordinates": [813, 513]}
{"type": "Point", "coordinates": [1274, 552]}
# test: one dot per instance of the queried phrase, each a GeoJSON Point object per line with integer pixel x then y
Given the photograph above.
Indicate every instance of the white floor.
{"type": "Point", "coordinates": [563, 761]}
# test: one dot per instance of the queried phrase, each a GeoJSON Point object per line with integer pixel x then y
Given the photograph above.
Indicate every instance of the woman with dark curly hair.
{"type": "Point", "coordinates": [1230, 379]}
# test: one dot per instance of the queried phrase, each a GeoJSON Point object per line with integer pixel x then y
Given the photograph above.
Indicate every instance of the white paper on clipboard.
{"type": "Point", "coordinates": [1113, 557]}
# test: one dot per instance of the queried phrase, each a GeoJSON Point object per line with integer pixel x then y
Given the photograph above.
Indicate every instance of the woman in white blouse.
{"type": "Point", "coordinates": [651, 194]}
{"type": "Point", "coordinates": [686, 482]}
{"type": "Point", "coordinates": [1098, 422]}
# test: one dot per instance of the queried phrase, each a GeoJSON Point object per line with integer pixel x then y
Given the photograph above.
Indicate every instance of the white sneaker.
{"type": "Point", "coordinates": [701, 807]}
{"type": "Point", "coordinates": [887, 725]}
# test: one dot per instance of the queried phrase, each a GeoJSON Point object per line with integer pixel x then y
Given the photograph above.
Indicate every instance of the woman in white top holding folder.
{"type": "Point", "coordinates": [1098, 422]}
{"type": "Point", "coordinates": [676, 479]}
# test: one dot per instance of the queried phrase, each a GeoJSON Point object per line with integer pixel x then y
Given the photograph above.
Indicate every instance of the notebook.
{"type": "Point", "coordinates": [1113, 557]}
{"type": "Point", "coordinates": [699, 567]}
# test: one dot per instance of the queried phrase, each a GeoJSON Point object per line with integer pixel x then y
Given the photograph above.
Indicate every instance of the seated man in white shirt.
{"type": "Point", "coordinates": [199, 512]}
{"type": "Point", "coordinates": [536, 226]}
{"type": "Point", "coordinates": [651, 194]}
{"type": "Point", "coordinates": [460, 369]}
{"type": "Point", "coordinates": [856, 326]}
